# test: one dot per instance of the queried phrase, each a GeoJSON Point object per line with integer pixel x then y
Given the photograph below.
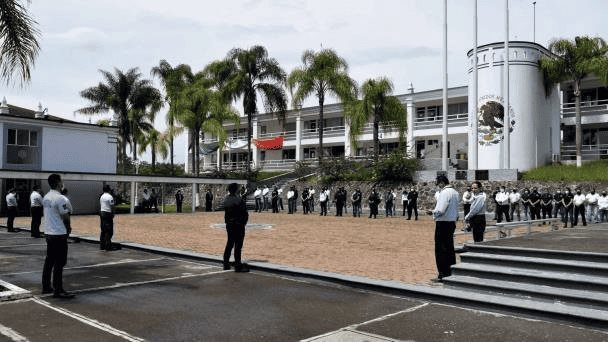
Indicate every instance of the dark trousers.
{"type": "Point", "coordinates": [305, 207]}
{"type": "Point", "coordinates": [535, 212]}
{"type": "Point", "coordinates": [323, 208]}
{"type": "Point", "coordinates": [258, 204]}
{"type": "Point", "coordinates": [179, 206]}
{"type": "Point", "coordinates": [291, 205]}
{"type": "Point", "coordinates": [107, 230]}
{"type": "Point", "coordinates": [339, 206]}
{"type": "Point", "coordinates": [558, 209]}
{"type": "Point", "coordinates": [356, 209]}
{"type": "Point", "coordinates": [266, 204]}
{"type": "Point", "coordinates": [208, 206]}
{"type": "Point", "coordinates": [36, 219]}
{"type": "Point", "coordinates": [11, 213]}
{"type": "Point", "coordinates": [281, 203]}
{"type": "Point", "coordinates": [445, 256]}
{"type": "Point", "coordinates": [503, 209]}
{"type": "Point", "coordinates": [275, 206]}
{"type": "Point", "coordinates": [236, 236]}
{"type": "Point", "coordinates": [56, 258]}
{"type": "Point", "coordinates": [410, 208]}
{"type": "Point", "coordinates": [514, 210]}
{"type": "Point", "coordinates": [404, 206]}
{"type": "Point", "coordinates": [467, 208]}
{"type": "Point", "coordinates": [546, 210]}
{"type": "Point", "coordinates": [373, 210]}
{"type": "Point", "coordinates": [389, 209]}
{"type": "Point", "coordinates": [478, 225]}
{"type": "Point", "coordinates": [568, 215]}
{"type": "Point", "coordinates": [579, 209]}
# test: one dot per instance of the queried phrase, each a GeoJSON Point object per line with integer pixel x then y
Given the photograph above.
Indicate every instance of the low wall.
{"type": "Point", "coordinates": [499, 175]}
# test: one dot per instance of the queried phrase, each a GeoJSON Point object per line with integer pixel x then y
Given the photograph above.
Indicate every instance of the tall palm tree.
{"type": "Point", "coordinates": [127, 95]}
{"type": "Point", "coordinates": [158, 143]}
{"type": "Point", "coordinates": [18, 41]}
{"type": "Point", "coordinates": [173, 79]}
{"type": "Point", "coordinates": [573, 60]}
{"type": "Point", "coordinates": [381, 106]}
{"type": "Point", "coordinates": [246, 74]}
{"type": "Point", "coordinates": [322, 73]}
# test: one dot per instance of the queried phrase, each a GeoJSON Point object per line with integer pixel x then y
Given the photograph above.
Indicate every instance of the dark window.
{"type": "Point", "coordinates": [33, 138]}
{"type": "Point", "coordinates": [482, 175]}
{"type": "Point", "coordinates": [12, 137]}
{"type": "Point", "coordinates": [289, 154]}
{"type": "Point", "coordinates": [461, 175]}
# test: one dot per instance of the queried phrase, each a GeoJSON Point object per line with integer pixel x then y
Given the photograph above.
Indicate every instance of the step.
{"type": "Point", "coordinates": [538, 277]}
{"type": "Point", "coordinates": [572, 296]}
{"type": "Point", "coordinates": [538, 252]}
{"type": "Point", "coordinates": [549, 264]}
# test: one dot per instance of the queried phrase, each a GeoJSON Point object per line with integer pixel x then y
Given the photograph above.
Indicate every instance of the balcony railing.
{"type": "Point", "coordinates": [454, 120]}
{"type": "Point", "coordinates": [327, 132]}
{"type": "Point", "coordinates": [289, 135]}
{"type": "Point", "coordinates": [587, 107]}
{"type": "Point", "coordinates": [588, 152]}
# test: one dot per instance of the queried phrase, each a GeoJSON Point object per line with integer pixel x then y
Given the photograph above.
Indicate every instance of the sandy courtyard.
{"type": "Point", "coordinates": [391, 249]}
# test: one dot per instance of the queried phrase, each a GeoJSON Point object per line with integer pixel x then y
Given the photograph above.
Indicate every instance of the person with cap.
{"type": "Point", "coordinates": [567, 203]}
{"type": "Point", "coordinates": [591, 199]}
{"type": "Point", "coordinates": [36, 211]}
{"type": "Point", "coordinates": [412, 204]}
{"type": "Point", "coordinates": [208, 200]}
{"type": "Point", "coordinates": [356, 199]}
{"type": "Point", "coordinates": [274, 200]}
{"type": "Point", "coordinates": [340, 198]}
{"type": "Point", "coordinates": [476, 217]}
{"type": "Point", "coordinates": [106, 216]}
{"type": "Point", "coordinates": [235, 217]}
{"type": "Point", "coordinates": [57, 228]}
{"type": "Point", "coordinates": [404, 200]}
{"type": "Point", "coordinates": [11, 209]}
{"type": "Point", "coordinates": [323, 199]}
{"type": "Point", "coordinates": [372, 201]}
{"type": "Point", "coordinates": [514, 201]}
{"type": "Point", "coordinates": [179, 200]}
{"type": "Point", "coordinates": [445, 215]}
{"type": "Point", "coordinates": [579, 207]}
{"type": "Point", "coordinates": [602, 204]}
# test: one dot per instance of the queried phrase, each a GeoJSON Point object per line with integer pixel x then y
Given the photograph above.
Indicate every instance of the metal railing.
{"type": "Point", "coordinates": [327, 132]}
{"type": "Point", "coordinates": [436, 121]}
{"type": "Point", "coordinates": [588, 152]}
{"type": "Point", "coordinates": [505, 230]}
{"type": "Point", "coordinates": [288, 135]}
{"type": "Point", "coordinates": [587, 107]}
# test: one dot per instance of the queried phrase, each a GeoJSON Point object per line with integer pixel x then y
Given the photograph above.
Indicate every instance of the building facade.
{"type": "Point", "coordinates": [542, 124]}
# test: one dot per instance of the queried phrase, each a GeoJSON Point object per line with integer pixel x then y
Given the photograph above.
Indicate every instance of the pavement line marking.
{"type": "Point", "coordinates": [110, 263]}
{"type": "Point", "coordinates": [89, 321]}
{"type": "Point", "coordinates": [356, 325]}
{"type": "Point", "coordinates": [33, 244]}
{"type": "Point", "coordinates": [119, 285]}
{"type": "Point", "coordinates": [191, 262]}
{"type": "Point", "coordinates": [12, 334]}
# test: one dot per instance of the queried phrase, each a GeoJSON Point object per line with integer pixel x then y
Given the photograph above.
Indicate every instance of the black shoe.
{"type": "Point", "coordinates": [226, 267]}
{"type": "Point", "coordinates": [64, 295]}
{"type": "Point", "coordinates": [242, 268]}
{"type": "Point", "coordinates": [47, 290]}
{"type": "Point", "coordinates": [408, 218]}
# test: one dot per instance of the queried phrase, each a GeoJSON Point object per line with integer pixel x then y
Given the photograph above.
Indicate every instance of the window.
{"type": "Point", "coordinates": [263, 155]}
{"type": "Point", "coordinates": [289, 154]}
{"type": "Point", "coordinates": [309, 152]}
{"type": "Point", "coordinates": [290, 126]}
{"type": "Point", "coordinates": [420, 112]}
{"type": "Point", "coordinates": [262, 129]}
{"type": "Point", "coordinates": [22, 146]}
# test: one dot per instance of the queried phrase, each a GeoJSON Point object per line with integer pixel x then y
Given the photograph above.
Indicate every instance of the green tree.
{"type": "Point", "coordinates": [573, 60]}
{"type": "Point", "coordinates": [246, 74]}
{"type": "Point", "coordinates": [379, 105]}
{"type": "Point", "coordinates": [158, 143]}
{"type": "Point", "coordinates": [128, 96]}
{"type": "Point", "coordinates": [322, 73]}
{"type": "Point", "coordinates": [173, 79]}
{"type": "Point", "coordinates": [18, 41]}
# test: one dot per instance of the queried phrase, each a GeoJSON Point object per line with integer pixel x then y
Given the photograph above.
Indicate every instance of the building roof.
{"type": "Point", "coordinates": [20, 112]}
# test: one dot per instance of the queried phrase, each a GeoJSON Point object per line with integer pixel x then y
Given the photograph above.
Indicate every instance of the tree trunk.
{"type": "Point", "coordinates": [376, 138]}
{"type": "Point", "coordinates": [249, 133]}
{"type": "Point", "coordinates": [320, 128]}
{"type": "Point", "coordinates": [193, 142]}
{"type": "Point", "coordinates": [134, 149]}
{"type": "Point", "coordinates": [171, 148]}
{"type": "Point", "coordinates": [124, 157]}
{"type": "Point", "coordinates": [198, 149]}
{"type": "Point", "coordinates": [153, 160]}
{"type": "Point", "coordinates": [579, 129]}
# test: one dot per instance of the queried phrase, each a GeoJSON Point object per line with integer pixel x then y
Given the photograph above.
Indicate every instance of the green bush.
{"type": "Point", "coordinates": [395, 168]}
{"type": "Point", "coordinates": [392, 168]}
{"type": "Point", "coordinates": [595, 171]}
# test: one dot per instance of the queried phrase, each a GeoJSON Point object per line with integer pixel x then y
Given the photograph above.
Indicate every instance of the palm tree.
{"type": "Point", "coordinates": [378, 104]}
{"type": "Point", "coordinates": [246, 74]}
{"type": "Point", "coordinates": [158, 143]}
{"type": "Point", "coordinates": [573, 60]}
{"type": "Point", "coordinates": [322, 73]}
{"type": "Point", "coordinates": [127, 96]}
{"type": "Point", "coordinates": [173, 80]}
{"type": "Point", "coordinates": [18, 41]}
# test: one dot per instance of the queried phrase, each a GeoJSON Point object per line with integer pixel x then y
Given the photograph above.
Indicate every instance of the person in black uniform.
{"type": "Point", "coordinates": [568, 206]}
{"type": "Point", "coordinates": [412, 204]}
{"type": "Point", "coordinates": [525, 201]}
{"type": "Point", "coordinates": [389, 203]}
{"type": "Point", "coordinates": [305, 199]}
{"type": "Point", "coordinates": [243, 193]}
{"type": "Point", "coordinates": [373, 200]}
{"type": "Point", "coordinates": [495, 202]}
{"type": "Point", "coordinates": [208, 200]}
{"type": "Point", "coordinates": [558, 207]}
{"type": "Point", "coordinates": [356, 198]}
{"type": "Point", "coordinates": [235, 217]}
{"type": "Point", "coordinates": [179, 200]}
{"type": "Point", "coordinates": [274, 199]}
{"type": "Point", "coordinates": [535, 204]}
{"type": "Point", "coordinates": [546, 204]}
{"type": "Point", "coordinates": [345, 195]}
{"type": "Point", "coordinates": [296, 194]}
{"type": "Point", "coordinates": [340, 199]}
{"type": "Point", "coordinates": [154, 200]}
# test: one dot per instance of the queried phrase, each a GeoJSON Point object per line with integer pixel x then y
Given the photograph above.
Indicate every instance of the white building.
{"type": "Point", "coordinates": [542, 126]}
{"type": "Point", "coordinates": [34, 141]}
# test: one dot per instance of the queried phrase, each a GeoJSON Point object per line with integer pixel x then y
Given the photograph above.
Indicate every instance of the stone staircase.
{"type": "Point", "coordinates": [558, 281]}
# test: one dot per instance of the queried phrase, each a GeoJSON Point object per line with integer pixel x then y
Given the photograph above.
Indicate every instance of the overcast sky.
{"type": "Point", "coordinates": [400, 39]}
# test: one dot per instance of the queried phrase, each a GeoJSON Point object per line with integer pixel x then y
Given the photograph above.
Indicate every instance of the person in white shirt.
{"type": "Point", "coordinates": [602, 204]}
{"type": "Point", "coordinates": [280, 191]}
{"type": "Point", "coordinates": [56, 230]}
{"type": "Point", "coordinates": [404, 200]}
{"type": "Point", "coordinates": [592, 208]}
{"type": "Point", "coordinates": [445, 215]}
{"type": "Point", "coordinates": [467, 198]}
{"type": "Point", "coordinates": [36, 211]}
{"type": "Point", "coordinates": [106, 216]}
{"type": "Point", "coordinates": [11, 209]}
{"type": "Point", "coordinates": [290, 200]}
{"type": "Point", "coordinates": [323, 198]}
{"type": "Point", "coordinates": [476, 217]}
{"type": "Point", "coordinates": [257, 194]}
{"type": "Point", "coordinates": [265, 197]}
{"type": "Point", "coordinates": [146, 201]}
{"type": "Point", "coordinates": [502, 199]}
{"type": "Point", "coordinates": [312, 199]}
{"type": "Point", "coordinates": [514, 200]}
{"type": "Point", "coordinates": [579, 207]}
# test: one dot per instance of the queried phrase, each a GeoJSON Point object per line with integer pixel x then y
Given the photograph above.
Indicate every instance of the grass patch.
{"type": "Point", "coordinates": [268, 174]}
{"type": "Point", "coordinates": [595, 171]}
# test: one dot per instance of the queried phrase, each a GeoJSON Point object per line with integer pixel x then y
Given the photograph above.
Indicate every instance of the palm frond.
{"type": "Point", "coordinates": [18, 42]}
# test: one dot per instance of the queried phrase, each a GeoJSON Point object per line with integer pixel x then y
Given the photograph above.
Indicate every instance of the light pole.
{"type": "Point", "coordinates": [534, 22]}
{"type": "Point", "coordinates": [136, 162]}
{"type": "Point", "coordinates": [444, 123]}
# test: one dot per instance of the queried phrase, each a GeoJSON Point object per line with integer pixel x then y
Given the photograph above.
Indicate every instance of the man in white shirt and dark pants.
{"type": "Point", "coordinates": [56, 230]}
{"type": "Point", "coordinates": [106, 215]}
{"type": "Point", "coordinates": [591, 199]}
{"type": "Point", "coordinates": [579, 207]}
{"type": "Point", "coordinates": [11, 209]}
{"type": "Point", "coordinates": [445, 215]}
{"type": "Point", "coordinates": [36, 211]}
{"type": "Point", "coordinates": [476, 216]}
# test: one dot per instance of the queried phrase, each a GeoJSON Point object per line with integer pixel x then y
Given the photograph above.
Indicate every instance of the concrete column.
{"type": "Point", "coordinates": [411, 110]}
{"type": "Point", "coordinates": [194, 197]}
{"type": "Point", "coordinates": [254, 135]}
{"type": "Point", "coordinates": [218, 161]}
{"type": "Point", "coordinates": [348, 152]}
{"type": "Point", "coordinates": [132, 198]}
{"type": "Point", "coordinates": [298, 137]}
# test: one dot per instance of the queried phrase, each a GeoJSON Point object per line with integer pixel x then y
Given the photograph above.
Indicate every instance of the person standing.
{"type": "Point", "coordinates": [476, 217]}
{"type": "Point", "coordinates": [525, 201]}
{"type": "Point", "coordinates": [514, 200]}
{"type": "Point", "coordinates": [345, 197]}
{"type": "Point", "coordinates": [280, 192]}
{"type": "Point", "coordinates": [265, 192]}
{"type": "Point", "coordinates": [494, 194]}
{"type": "Point", "coordinates": [36, 211]}
{"type": "Point", "coordinates": [404, 200]}
{"type": "Point", "coordinates": [568, 208]}
{"type": "Point", "coordinates": [179, 200]}
{"type": "Point", "coordinates": [602, 203]}
{"type": "Point", "coordinates": [445, 215]}
{"type": "Point", "coordinates": [323, 198]}
{"type": "Point", "coordinates": [243, 193]}
{"type": "Point", "coordinates": [275, 200]}
{"type": "Point", "coordinates": [502, 201]}
{"type": "Point", "coordinates": [291, 202]}
{"type": "Point", "coordinates": [412, 204]}
{"type": "Point", "coordinates": [546, 204]}
{"type": "Point", "coordinates": [356, 199]}
{"type": "Point", "coordinates": [154, 200]}
{"type": "Point", "coordinates": [235, 217]}
{"type": "Point", "coordinates": [340, 198]}
{"type": "Point", "coordinates": [257, 194]}
{"type": "Point", "coordinates": [311, 201]}
{"type": "Point", "coordinates": [296, 195]}
{"type": "Point", "coordinates": [106, 215]}
{"type": "Point", "coordinates": [11, 209]}
{"type": "Point", "coordinates": [146, 201]}
{"type": "Point", "coordinates": [305, 199]}
{"type": "Point", "coordinates": [467, 199]}
{"type": "Point", "coordinates": [56, 231]}
{"type": "Point", "coordinates": [208, 200]}
{"type": "Point", "coordinates": [591, 200]}
{"type": "Point", "coordinates": [535, 204]}
{"type": "Point", "coordinates": [389, 202]}
{"type": "Point", "coordinates": [557, 204]}
{"type": "Point", "coordinates": [579, 207]}
{"type": "Point", "coordinates": [372, 201]}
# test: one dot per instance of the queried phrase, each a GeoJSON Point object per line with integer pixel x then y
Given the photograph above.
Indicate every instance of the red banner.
{"type": "Point", "coordinates": [269, 144]}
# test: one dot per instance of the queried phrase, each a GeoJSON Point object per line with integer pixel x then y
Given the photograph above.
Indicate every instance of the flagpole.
{"type": "Point", "coordinates": [474, 158]}
{"type": "Point", "coordinates": [444, 140]}
{"type": "Point", "coordinates": [507, 114]}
